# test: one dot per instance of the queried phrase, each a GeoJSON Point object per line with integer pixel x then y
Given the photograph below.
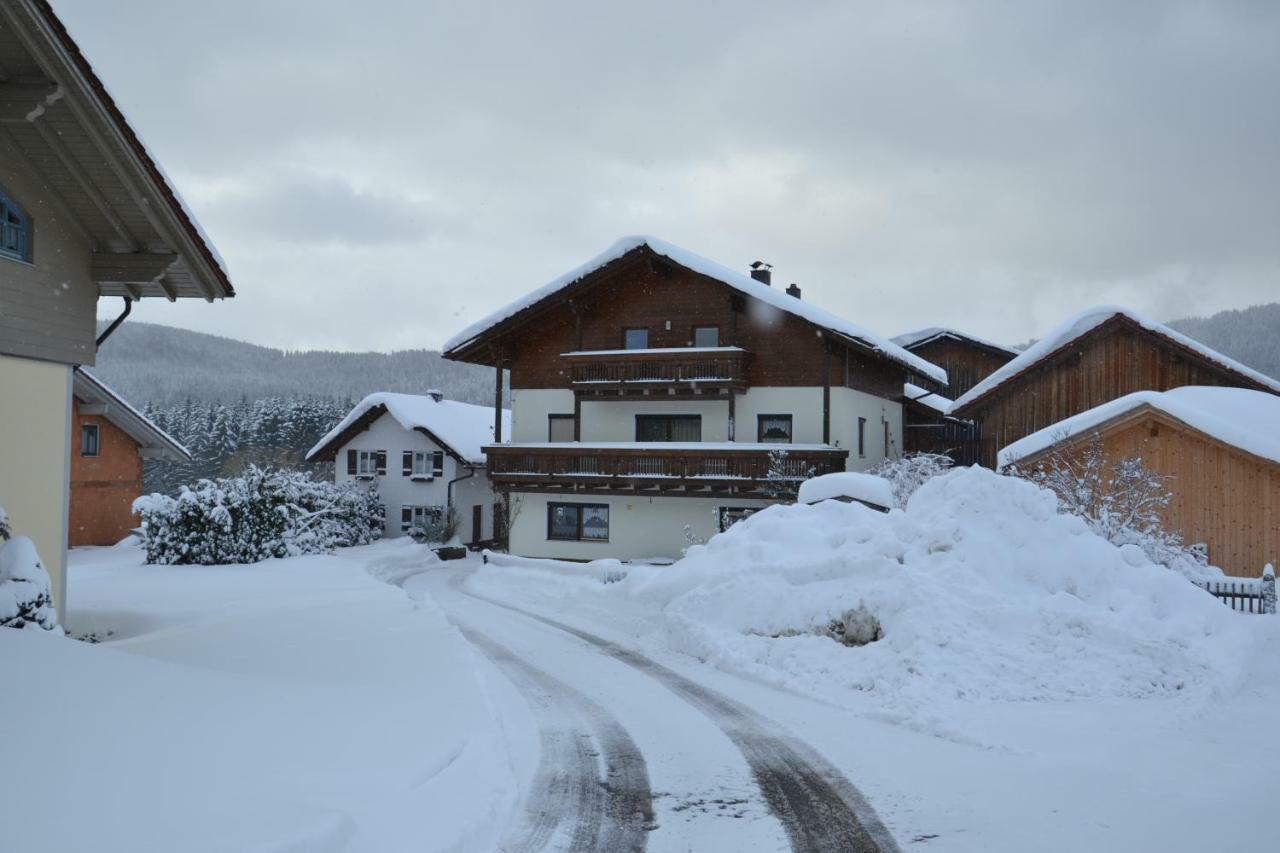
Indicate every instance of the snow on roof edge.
{"type": "Point", "coordinates": [1082, 323]}
{"type": "Point", "coordinates": [439, 417]}
{"type": "Point", "coordinates": [906, 340]}
{"type": "Point", "coordinates": [146, 421]}
{"type": "Point", "coordinates": [739, 281]}
{"type": "Point", "coordinates": [1230, 415]}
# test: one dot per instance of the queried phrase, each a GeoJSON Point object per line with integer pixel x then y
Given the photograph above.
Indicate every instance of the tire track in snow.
{"type": "Point", "coordinates": [821, 811]}
{"type": "Point", "coordinates": [613, 813]}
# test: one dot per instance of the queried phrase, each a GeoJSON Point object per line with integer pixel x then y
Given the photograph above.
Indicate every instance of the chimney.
{"type": "Point", "coordinates": [762, 272]}
{"type": "Point", "coordinates": [436, 395]}
{"type": "Point", "coordinates": [793, 290]}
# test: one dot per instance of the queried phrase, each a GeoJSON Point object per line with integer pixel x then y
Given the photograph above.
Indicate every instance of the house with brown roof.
{"type": "Point", "coordinates": [110, 442]}
{"type": "Point", "coordinates": [1092, 358]}
{"type": "Point", "coordinates": [1218, 447]}
{"type": "Point", "coordinates": [85, 213]}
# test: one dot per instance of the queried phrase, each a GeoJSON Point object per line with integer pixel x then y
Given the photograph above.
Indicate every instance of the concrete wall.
{"type": "Point", "coordinates": [103, 487]}
{"type": "Point", "coordinates": [397, 490]}
{"type": "Point", "coordinates": [640, 527]}
{"type": "Point", "coordinates": [35, 426]}
{"type": "Point", "coordinates": [529, 410]}
{"type": "Point", "coordinates": [47, 307]}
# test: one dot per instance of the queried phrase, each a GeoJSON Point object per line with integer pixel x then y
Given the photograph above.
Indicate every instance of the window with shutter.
{"type": "Point", "coordinates": [406, 464]}
{"type": "Point", "coordinates": [351, 462]}
{"type": "Point", "coordinates": [382, 462]}
{"type": "Point", "coordinates": [437, 464]}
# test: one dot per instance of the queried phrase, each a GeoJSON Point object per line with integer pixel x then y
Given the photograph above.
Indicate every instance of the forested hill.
{"type": "Point", "coordinates": [1250, 336]}
{"type": "Point", "coordinates": [149, 363]}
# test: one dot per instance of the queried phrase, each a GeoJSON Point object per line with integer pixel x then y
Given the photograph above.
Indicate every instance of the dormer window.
{"type": "Point", "coordinates": [15, 230]}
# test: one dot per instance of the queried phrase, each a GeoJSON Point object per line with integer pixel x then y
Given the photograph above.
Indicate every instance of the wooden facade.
{"type": "Point", "coordinates": [104, 484]}
{"type": "Point", "coordinates": [1223, 496]}
{"type": "Point", "coordinates": [1115, 358]}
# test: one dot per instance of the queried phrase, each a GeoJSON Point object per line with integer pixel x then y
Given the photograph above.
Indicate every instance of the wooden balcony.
{"type": "Point", "coordinates": [709, 469]}
{"type": "Point", "coordinates": [686, 369]}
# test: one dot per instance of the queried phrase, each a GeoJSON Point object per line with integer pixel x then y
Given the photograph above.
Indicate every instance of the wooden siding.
{"type": "Point", "coordinates": [670, 301]}
{"type": "Point", "coordinates": [103, 487]}
{"type": "Point", "coordinates": [1224, 497]}
{"type": "Point", "coordinates": [1115, 359]}
{"type": "Point", "coordinates": [966, 363]}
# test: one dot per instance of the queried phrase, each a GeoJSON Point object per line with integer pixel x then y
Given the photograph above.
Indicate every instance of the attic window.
{"type": "Point", "coordinates": [15, 230]}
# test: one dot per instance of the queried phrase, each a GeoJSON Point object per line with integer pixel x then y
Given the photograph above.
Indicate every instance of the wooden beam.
{"type": "Point", "coordinates": [167, 287]}
{"type": "Point", "coordinates": [27, 100]}
{"type": "Point", "coordinates": [87, 186]}
{"type": "Point", "coordinates": [497, 399]}
{"type": "Point", "coordinates": [826, 397]}
{"type": "Point", "coordinates": [130, 267]}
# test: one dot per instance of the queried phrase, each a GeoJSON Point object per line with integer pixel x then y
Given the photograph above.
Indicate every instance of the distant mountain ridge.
{"type": "Point", "coordinates": [162, 365]}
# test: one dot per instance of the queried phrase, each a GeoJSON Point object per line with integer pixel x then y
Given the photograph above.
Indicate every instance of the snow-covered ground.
{"type": "Point", "coordinates": [1033, 688]}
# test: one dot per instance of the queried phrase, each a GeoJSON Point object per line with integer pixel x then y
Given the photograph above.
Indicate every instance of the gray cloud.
{"type": "Point", "coordinates": [990, 165]}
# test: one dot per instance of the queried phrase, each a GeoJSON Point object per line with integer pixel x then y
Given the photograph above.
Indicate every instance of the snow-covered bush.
{"type": "Point", "coordinates": [442, 529]}
{"type": "Point", "coordinates": [260, 514]}
{"type": "Point", "coordinates": [785, 474]}
{"type": "Point", "coordinates": [1121, 501]}
{"type": "Point", "coordinates": [26, 598]}
{"type": "Point", "coordinates": [909, 472]}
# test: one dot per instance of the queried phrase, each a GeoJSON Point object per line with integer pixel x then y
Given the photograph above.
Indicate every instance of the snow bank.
{"type": "Point", "coordinates": [984, 592]}
{"type": "Point", "coordinates": [1085, 322]}
{"type": "Point", "coordinates": [1236, 416]}
{"type": "Point", "coordinates": [848, 484]}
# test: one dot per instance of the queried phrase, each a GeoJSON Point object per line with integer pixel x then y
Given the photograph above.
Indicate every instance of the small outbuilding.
{"type": "Point", "coordinates": [1221, 449]}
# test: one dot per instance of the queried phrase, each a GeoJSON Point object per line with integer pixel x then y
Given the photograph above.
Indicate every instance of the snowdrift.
{"type": "Point", "coordinates": [982, 590]}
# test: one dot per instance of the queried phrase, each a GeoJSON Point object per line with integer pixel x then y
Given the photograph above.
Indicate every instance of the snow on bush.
{"type": "Point", "coordinates": [1121, 501]}
{"type": "Point", "coordinates": [26, 599]}
{"type": "Point", "coordinates": [262, 513]}
{"type": "Point", "coordinates": [909, 472]}
{"type": "Point", "coordinates": [979, 590]}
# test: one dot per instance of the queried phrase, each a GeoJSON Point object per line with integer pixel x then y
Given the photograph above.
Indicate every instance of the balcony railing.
{"type": "Point", "coordinates": [652, 369]}
{"type": "Point", "coordinates": [684, 468]}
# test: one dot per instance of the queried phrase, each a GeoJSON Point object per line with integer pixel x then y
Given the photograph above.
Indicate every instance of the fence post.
{"type": "Point", "coordinates": [1269, 589]}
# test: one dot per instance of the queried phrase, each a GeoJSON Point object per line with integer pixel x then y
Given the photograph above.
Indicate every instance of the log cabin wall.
{"type": "Point", "coordinates": [1117, 358]}
{"type": "Point", "coordinates": [646, 292]}
{"type": "Point", "coordinates": [966, 364]}
{"type": "Point", "coordinates": [1223, 497]}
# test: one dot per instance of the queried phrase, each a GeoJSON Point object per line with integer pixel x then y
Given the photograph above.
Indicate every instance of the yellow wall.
{"type": "Point", "coordinates": [35, 424]}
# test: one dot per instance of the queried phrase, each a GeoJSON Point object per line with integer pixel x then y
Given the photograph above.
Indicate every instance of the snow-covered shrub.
{"type": "Point", "coordinates": [909, 472]}
{"type": "Point", "coordinates": [1121, 501]}
{"type": "Point", "coordinates": [785, 474]}
{"type": "Point", "coordinates": [442, 529]}
{"type": "Point", "coordinates": [26, 598]}
{"type": "Point", "coordinates": [855, 627]}
{"type": "Point", "coordinates": [260, 514]}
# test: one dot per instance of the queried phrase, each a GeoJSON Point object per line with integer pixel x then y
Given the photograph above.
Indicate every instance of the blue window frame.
{"type": "Point", "coordinates": [15, 230]}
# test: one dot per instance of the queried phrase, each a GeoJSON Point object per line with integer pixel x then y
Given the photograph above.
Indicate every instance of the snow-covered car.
{"type": "Point", "coordinates": [849, 487]}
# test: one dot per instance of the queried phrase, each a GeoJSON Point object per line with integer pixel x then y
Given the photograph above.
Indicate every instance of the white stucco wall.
{"type": "Point", "coordinates": [397, 490]}
{"type": "Point", "coordinates": [804, 404]}
{"type": "Point", "coordinates": [530, 408]}
{"type": "Point", "coordinates": [847, 405]}
{"type": "Point", "coordinates": [640, 527]}
{"type": "Point", "coordinates": [615, 420]}
{"type": "Point", "coordinates": [35, 458]}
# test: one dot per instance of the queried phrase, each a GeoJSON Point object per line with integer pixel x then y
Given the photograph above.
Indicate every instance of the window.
{"type": "Point", "coordinates": [706, 336]}
{"type": "Point", "coordinates": [15, 230]}
{"type": "Point", "coordinates": [423, 517]}
{"type": "Point", "coordinates": [668, 427]}
{"type": "Point", "coordinates": [578, 522]}
{"type": "Point", "coordinates": [886, 439]}
{"type": "Point", "coordinates": [422, 464]}
{"type": "Point", "coordinates": [89, 440]}
{"type": "Point", "coordinates": [560, 427]}
{"type": "Point", "coordinates": [774, 429]}
{"type": "Point", "coordinates": [366, 464]}
{"type": "Point", "coordinates": [731, 515]}
{"type": "Point", "coordinates": [635, 338]}
{"type": "Point", "coordinates": [862, 436]}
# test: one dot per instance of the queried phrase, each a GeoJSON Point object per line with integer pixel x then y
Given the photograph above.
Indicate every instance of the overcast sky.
{"type": "Point", "coordinates": [378, 175]}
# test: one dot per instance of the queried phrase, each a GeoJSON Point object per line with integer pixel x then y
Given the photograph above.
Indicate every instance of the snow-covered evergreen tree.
{"type": "Point", "coordinates": [26, 598]}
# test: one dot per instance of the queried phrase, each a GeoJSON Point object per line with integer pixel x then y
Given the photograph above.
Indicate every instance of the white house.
{"type": "Point", "coordinates": [423, 453]}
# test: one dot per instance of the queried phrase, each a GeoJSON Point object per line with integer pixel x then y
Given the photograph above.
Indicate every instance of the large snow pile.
{"type": "Point", "coordinates": [981, 589]}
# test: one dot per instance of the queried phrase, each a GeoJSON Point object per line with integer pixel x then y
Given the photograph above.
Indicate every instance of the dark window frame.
{"type": "Point", "coordinates": [94, 430]}
{"type": "Point", "coordinates": [791, 428]}
{"type": "Point", "coordinates": [862, 438]}
{"type": "Point", "coordinates": [579, 511]}
{"type": "Point", "coordinates": [628, 329]}
{"type": "Point", "coordinates": [553, 418]}
{"type": "Point", "coordinates": [14, 217]}
{"type": "Point", "coordinates": [886, 438]}
{"type": "Point", "coordinates": [699, 328]}
{"type": "Point", "coordinates": [651, 418]}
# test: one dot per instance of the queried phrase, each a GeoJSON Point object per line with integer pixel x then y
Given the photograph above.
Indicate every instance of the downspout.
{"type": "Point", "coordinates": [115, 324]}
{"type": "Point", "coordinates": [448, 489]}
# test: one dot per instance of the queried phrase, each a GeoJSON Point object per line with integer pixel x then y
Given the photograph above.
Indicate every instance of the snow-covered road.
{"type": "Point", "coordinates": [636, 755]}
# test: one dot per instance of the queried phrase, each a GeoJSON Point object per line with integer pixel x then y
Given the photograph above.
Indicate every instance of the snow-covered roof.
{"type": "Point", "coordinates": [463, 427]}
{"type": "Point", "coordinates": [89, 389]}
{"type": "Point", "coordinates": [867, 488]}
{"type": "Point", "coordinates": [1236, 416]}
{"type": "Point", "coordinates": [742, 282]}
{"type": "Point", "coordinates": [925, 397]}
{"type": "Point", "coordinates": [1085, 322]}
{"type": "Point", "coordinates": [666, 445]}
{"type": "Point", "coordinates": [921, 336]}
